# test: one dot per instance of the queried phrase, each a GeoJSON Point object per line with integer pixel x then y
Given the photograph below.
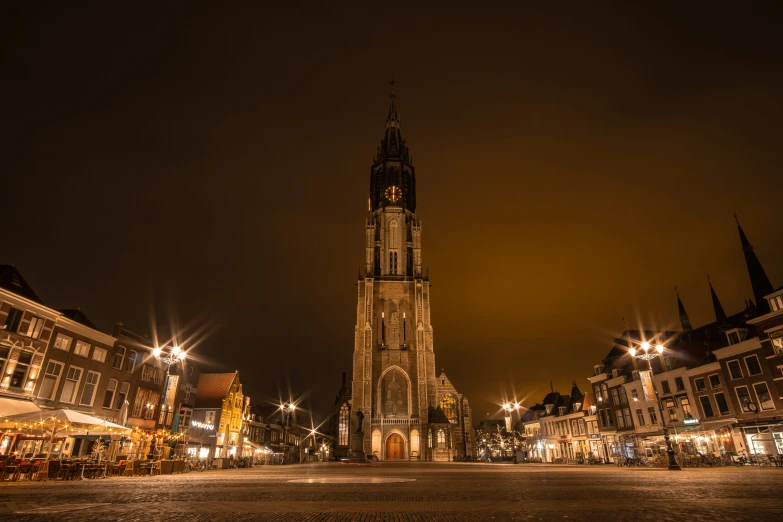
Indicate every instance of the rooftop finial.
{"type": "Point", "coordinates": [677, 292]}
{"type": "Point", "coordinates": [392, 84]}
{"type": "Point", "coordinates": [736, 218]}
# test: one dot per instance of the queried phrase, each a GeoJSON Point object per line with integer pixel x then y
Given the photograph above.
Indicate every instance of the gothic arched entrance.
{"type": "Point", "coordinates": [395, 447]}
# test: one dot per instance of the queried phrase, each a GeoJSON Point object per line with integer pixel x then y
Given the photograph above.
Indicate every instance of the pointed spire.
{"type": "Point", "coordinates": [758, 277]}
{"type": "Point", "coordinates": [684, 319]}
{"type": "Point", "coordinates": [720, 315]}
{"type": "Point", "coordinates": [393, 119]}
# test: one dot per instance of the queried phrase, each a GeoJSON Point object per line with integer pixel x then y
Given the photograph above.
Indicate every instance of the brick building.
{"type": "Point", "coordinates": [395, 387]}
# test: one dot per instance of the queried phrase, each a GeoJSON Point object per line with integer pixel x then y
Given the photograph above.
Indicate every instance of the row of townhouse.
{"type": "Point", "coordinates": [562, 428]}
{"type": "Point", "coordinates": [717, 389]}
{"type": "Point", "coordinates": [60, 359]}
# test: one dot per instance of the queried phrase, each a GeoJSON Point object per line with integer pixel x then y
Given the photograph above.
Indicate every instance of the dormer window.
{"type": "Point", "coordinates": [577, 407]}
{"type": "Point", "coordinates": [562, 410]}
{"type": "Point", "coordinates": [776, 303]}
{"type": "Point", "coordinates": [549, 408]}
{"type": "Point", "coordinates": [737, 335]}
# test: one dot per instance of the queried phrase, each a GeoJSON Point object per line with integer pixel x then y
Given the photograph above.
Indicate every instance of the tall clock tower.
{"type": "Point", "coordinates": [395, 384]}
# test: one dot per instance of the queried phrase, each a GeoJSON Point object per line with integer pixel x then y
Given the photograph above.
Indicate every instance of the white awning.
{"type": "Point", "coordinates": [10, 406]}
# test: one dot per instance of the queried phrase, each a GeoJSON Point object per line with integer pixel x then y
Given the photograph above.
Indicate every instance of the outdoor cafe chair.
{"type": "Point", "coordinates": [7, 468]}
{"type": "Point", "coordinates": [67, 468]}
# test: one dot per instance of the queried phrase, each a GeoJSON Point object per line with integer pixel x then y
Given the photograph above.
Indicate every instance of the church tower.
{"type": "Point", "coordinates": [394, 379]}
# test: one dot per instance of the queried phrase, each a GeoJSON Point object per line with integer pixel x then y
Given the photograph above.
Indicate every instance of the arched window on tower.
{"type": "Point", "coordinates": [344, 423]}
{"type": "Point", "coordinates": [429, 439]}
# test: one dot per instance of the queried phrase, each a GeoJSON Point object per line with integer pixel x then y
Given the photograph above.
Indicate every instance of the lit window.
{"type": "Point", "coordinates": [441, 437]}
{"type": "Point", "coordinates": [762, 393]}
{"type": "Point", "coordinates": [449, 406]}
{"type": "Point", "coordinates": [90, 387]}
{"type": "Point", "coordinates": [671, 407]}
{"type": "Point", "coordinates": [99, 354]}
{"type": "Point", "coordinates": [82, 349]}
{"type": "Point", "coordinates": [686, 407]}
{"type": "Point", "coordinates": [72, 379]}
{"type": "Point", "coordinates": [50, 380]}
{"type": "Point", "coordinates": [34, 330]}
{"type": "Point", "coordinates": [63, 342]}
{"type": "Point", "coordinates": [344, 425]}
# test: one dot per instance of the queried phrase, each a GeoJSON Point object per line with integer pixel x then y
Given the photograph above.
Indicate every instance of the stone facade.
{"type": "Point", "coordinates": [395, 384]}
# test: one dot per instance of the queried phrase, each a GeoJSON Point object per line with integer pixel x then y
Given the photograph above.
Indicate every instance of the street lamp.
{"type": "Point", "coordinates": [176, 355]}
{"type": "Point", "coordinates": [509, 408]}
{"type": "Point", "coordinates": [648, 354]}
{"type": "Point", "coordinates": [289, 409]}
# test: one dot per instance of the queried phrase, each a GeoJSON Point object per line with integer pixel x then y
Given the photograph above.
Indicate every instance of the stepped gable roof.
{"type": "Point", "coordinates": [212, 389]}
{"type": "Point", "coordinates": [436, 416]}
{"type": "Point", "coordinates": [11, 279]}
{"type": "Point", "coordinates": [76, 315]}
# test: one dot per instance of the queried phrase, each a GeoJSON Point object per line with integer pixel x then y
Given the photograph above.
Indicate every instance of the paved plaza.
{"type": "Point", "coordinates": [408, 491]}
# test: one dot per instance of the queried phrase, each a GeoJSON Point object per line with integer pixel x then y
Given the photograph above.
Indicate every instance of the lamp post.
{"type": "Point", "coordinates": [175, 355]}
{"type": "Point", "coordinates": [286, 409]}
{"type": "Point", "coordinates": [509, 408]}
{"type": "Point", "coordinates": [648, 354]}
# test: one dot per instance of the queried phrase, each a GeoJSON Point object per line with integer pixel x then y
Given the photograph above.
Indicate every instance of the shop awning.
{"type": "Point", "coordinates": [708, 426]}
{"type": "Point", "coordinates": [254, 445]}
{"type": "Point", "coordinates": [10, 406]}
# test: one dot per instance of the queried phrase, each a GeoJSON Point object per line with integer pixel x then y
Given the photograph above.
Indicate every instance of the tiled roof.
{"type": "Point", "coordinates": [11, 279]}
{"type": "Point", "coordinates": [212, 389]}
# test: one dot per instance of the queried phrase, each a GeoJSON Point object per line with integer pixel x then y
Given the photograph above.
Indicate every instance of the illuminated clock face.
{"type": "Point", "coordinates": [393, 194]}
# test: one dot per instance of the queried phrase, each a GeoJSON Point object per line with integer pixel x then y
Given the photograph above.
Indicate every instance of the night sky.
{"type": "Point", "coordinates": [212, 167]}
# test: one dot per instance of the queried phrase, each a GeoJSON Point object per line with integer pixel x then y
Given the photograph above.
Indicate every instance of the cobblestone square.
{"type": "Point", "coordinates": [408, 491]}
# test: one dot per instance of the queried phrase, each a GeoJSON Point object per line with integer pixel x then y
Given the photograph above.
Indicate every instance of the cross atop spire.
{"type": "Point", "coordinates": [392, 83]}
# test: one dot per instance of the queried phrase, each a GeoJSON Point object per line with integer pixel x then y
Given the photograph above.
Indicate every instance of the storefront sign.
{"type": "Point", "coordinates": [647, 385]}
{"type": "Point", "coordinates": [202, 425]}
{"type": "Point", "coordinates": [691, 421]}
{"type": "Point", "coordinates": [595, 436]}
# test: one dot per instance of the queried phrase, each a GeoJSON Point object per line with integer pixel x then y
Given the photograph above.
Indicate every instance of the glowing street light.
{"type": "Point", "coordinates": [646, 354]}
{"type": "Point", "coordinates": [509, 407]}
{"type": "Point", "coordinates": [175, 355]}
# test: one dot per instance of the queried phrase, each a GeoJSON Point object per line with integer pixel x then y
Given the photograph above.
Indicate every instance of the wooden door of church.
{"type": "Point", "coordinates": [395, 447]}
